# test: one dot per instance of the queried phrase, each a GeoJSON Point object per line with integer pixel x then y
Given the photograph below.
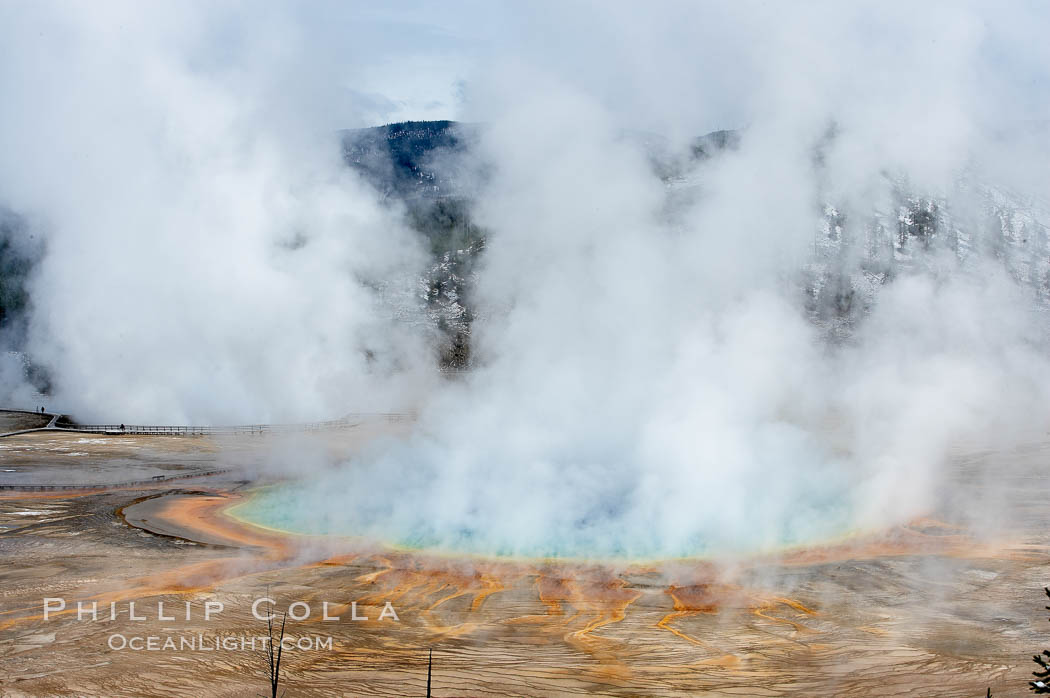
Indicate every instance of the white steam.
{"type": "Point", "coordinates": [210, 257]}
{"type": "Point", "coordinates": [653, 387]}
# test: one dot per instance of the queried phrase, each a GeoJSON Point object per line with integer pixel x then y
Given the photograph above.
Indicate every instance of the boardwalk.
{"type": "Point", "coordinates": [24, 422]}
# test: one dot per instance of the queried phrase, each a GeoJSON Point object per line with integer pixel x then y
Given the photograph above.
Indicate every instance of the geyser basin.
{"type": "Point", "coordinates": [618, 529]}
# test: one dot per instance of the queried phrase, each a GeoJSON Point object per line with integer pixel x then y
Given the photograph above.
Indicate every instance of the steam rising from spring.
{"type": "Point", "coordinates": [655, 385]}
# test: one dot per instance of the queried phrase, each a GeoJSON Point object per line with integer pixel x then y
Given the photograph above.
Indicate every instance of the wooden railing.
{"type": "Point", "coordinates": [168, 430]}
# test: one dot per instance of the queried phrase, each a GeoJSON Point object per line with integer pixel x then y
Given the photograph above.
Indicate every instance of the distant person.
{"type": "Point", "coordinates": [122, 427]}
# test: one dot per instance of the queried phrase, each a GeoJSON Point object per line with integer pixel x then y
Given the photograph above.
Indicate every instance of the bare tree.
{"type": "Point", "coordinates": [273, 654]}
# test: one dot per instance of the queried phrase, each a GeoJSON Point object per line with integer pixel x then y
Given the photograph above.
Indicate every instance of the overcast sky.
{"type": "Point", "coordinates": [371, 64]}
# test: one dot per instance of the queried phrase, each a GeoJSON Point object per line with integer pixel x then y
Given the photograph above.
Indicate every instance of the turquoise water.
{"type": "Point", "coordinates": [528, 528]}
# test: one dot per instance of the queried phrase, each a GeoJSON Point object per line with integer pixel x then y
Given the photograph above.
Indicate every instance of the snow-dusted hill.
{"type": "Point", "coordinates": [431, 168]}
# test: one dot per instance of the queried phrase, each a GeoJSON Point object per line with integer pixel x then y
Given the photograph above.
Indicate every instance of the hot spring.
{"type": "Point", "coordinates": [539, 525]}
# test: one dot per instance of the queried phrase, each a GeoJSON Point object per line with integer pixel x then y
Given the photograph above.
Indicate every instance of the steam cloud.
{"type": "Point", "coordinates": [765, 349]}
{"type": "Point", "coordinates": [210, 257]}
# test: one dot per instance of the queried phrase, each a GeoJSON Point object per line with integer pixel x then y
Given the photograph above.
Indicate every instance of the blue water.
{"type": "Point", "coordinates": [607, 531]}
